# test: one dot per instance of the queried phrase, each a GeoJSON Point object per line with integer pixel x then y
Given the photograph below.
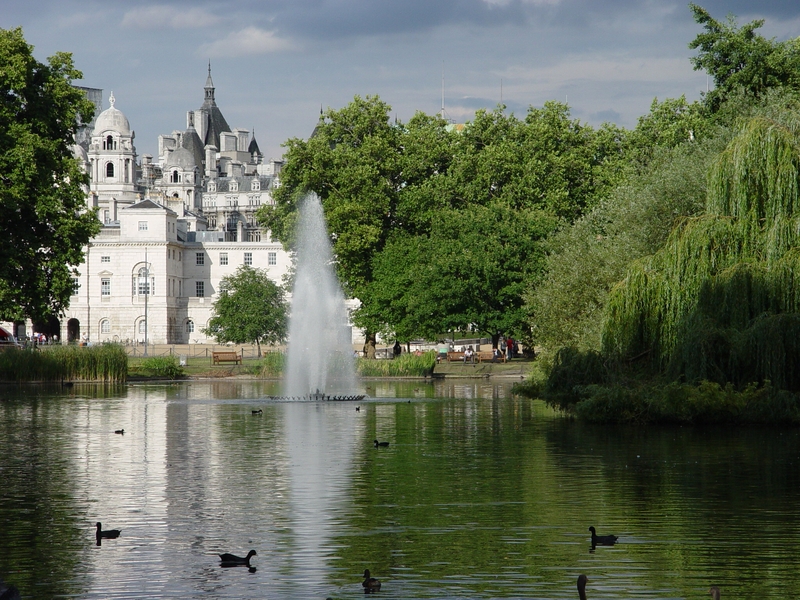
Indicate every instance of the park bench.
{"type": "Point", "coordinates": [451, 356]}
{"type": "Point", "coordinates": [225, 357]}
{"type": "Point", "coordinates": [487, 357]}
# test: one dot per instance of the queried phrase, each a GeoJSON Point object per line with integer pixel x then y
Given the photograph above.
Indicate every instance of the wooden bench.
{"type": "Point", "coordinates": [451, 356]}
{"type": "Point", "coordinates": [489, 357]}
{"type": "Point", "coordinates": [225, 357]}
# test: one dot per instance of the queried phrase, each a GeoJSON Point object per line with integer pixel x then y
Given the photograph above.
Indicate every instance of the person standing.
{"type": "Point", "coordinates": [509, 348]}
{"type": "Point", "coordinates": [397, 349]}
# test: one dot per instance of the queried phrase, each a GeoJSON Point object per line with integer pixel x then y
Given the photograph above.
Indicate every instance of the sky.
{"type": "Point", "coordinates": [275, 63]}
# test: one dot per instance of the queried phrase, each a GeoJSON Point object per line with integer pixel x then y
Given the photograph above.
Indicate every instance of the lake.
{"type": "Point", "coordinates": [478, 495]}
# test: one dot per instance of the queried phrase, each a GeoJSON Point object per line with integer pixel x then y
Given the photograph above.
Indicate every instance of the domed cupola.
{"type": "Point", "coordinates": [112, 119]}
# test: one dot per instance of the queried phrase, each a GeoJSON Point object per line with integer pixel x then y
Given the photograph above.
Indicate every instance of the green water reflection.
{"type": "Point", "coordinates": [479, 495]}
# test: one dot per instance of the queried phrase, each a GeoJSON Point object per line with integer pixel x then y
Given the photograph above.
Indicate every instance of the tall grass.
{"type": "Point", "coordinates": [162, 366]}
{"type": "Point", "coordinates": [272, 365]}
{"type": "Point", "coordinates": [406, 365]}
{"type": "Point", "coordinates": [107, 362]}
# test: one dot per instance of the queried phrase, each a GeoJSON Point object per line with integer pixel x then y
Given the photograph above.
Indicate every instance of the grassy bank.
{"type": "Point", "coordinates": [107, 362]}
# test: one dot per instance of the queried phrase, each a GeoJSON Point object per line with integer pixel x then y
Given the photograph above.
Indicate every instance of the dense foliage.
{"type": "Point", "coordinates": [250, 308]}
{"type": "Point", "coordinates": [437, 228]}
{"type": "Point", "coordinates": [44, 224]}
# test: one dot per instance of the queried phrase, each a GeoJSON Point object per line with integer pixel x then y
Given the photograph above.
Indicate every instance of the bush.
{"type": "Point", "coordinates": [162, 366]}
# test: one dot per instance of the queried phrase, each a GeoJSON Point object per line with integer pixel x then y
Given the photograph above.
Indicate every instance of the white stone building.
{"type": "Point", "coordinates": [172, 229]}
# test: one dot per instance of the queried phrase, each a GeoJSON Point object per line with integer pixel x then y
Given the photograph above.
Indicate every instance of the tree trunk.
{"type": "Point", "coordinates": [495, 340]}
{"type": "Point", "coordinates": [369, 345]}
{"type": "Point", "coordinates": [258, 345]}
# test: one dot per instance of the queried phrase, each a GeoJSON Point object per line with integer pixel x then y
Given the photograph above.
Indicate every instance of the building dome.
{"type": "Point", "coordinates": [181, 158]}
{"type": "Point", "coordinates": [112, 119]}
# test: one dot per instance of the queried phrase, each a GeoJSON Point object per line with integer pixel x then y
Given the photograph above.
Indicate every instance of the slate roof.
{"type": "Point", "coordinates": [192, 142]}
{"type": "Point", "coordinates": [245, 183]}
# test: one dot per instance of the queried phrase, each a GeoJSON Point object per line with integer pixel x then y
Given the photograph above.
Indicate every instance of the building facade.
{"type": "Point", "coordinates": [172, 228]}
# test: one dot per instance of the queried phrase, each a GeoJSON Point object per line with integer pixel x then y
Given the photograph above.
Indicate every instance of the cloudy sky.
{"type": "Point", "coordinates": [275, 62]}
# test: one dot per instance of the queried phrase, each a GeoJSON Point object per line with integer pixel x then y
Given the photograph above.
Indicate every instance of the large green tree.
{"type": "Point", "coordinates": [251, 308]}
{"type": "Point", "coordinates": [460, 209]}
{"type": "Point", "coordinates": [44, 223]}
{"type": "Point", "coordinates": [738, 58]}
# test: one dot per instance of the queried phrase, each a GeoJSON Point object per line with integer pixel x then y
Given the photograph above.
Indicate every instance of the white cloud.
{"type": "Point", "coordinates": [248, 41]}
{"type": "Point", "coordinates": [152, 17]}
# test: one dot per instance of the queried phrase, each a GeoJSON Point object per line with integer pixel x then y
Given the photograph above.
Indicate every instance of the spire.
{"type": "Point", "coordinates": [111, 99]}
{"type": "Point", "coordinates": [209, 89]}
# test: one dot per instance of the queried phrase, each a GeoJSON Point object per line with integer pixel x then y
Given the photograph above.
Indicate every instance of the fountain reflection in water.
{"type": "Point", "coordinates": [320, 345]}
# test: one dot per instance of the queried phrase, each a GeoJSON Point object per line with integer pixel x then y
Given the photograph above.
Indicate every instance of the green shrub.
{"type": "Point", "coordinates": [406, 365]}
{"type": "Point", "coordinates": [162, 366]}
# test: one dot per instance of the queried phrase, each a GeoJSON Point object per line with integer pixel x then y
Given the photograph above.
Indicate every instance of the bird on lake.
{"type": "Point", "coordinates": [358, 409]}
{"type": "Point", "coordinates": [119, 431]}
{"type": "Point", "coordinates": [602, 540]}
{"type": "Point", "coordinates": [231, 560]}
{"type": "Point", "coordinates": [714, 591]}
{"type": "Point", "coordinates": [381, 444]}
{"type": "Point", "coordinates": [582, 579]}
{"type": "Point", "coordinates": [370, 584]}
{"type": "Point", "coordinates": [258, 412]}
{"type": "Point", "coordinates": [108, 534]}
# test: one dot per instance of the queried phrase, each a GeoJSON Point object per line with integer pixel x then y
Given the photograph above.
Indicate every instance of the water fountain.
{"type": "Point", "coordinates": [319, 365]}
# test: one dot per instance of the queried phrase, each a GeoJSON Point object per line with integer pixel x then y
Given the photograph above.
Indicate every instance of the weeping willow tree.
{"type": "Point", "coordinates": [721, 301]}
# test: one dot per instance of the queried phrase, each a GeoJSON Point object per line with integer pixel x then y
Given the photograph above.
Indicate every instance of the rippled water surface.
{"type": "Point", "coordinates": [479, 495]}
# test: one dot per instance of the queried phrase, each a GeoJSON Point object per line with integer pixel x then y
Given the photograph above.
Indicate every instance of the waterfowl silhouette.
{"type": "Point", "coordinates": [370, 583]}
{"type": "Point", "coordinates": [582, 579]}
{"type": "Point", "coordinates": [231, 560]}
{"type": "Point", "coordinates": [108, 534]}
{"type": "Point", "coordinates": [358, 409]}
{"type": "Point", "coordinates": [9, 592]}
{"type": "Point", "coordinates": [258, 412]}
{"type": "Point", "coordinates": [381, 444]}
{"type": "Point", "coordinates": [714, 591]}
{"type": "Point", "coordinates": [602, 540]}
{"type": "Point", "coordinates": [119, 431]}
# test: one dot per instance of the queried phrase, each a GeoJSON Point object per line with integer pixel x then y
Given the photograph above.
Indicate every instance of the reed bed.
{"type": "Point", "coordinates": [162, 366]}
{"type": "Point", "coordinates": [271, 365]}
{"type": "Point", "coordinates": [406, 365]}
{"type": "Point", "coordinates": [107, 362]}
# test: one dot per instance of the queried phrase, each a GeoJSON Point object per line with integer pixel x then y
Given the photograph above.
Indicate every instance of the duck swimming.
{"type": "Point", "coordinates": [582, 579]}
{"type": "Point", "coordinates": [602, 540]}
{"type": "Point", "coordinates": [381, 444]}
{"type": "Point", "coordinates": [108, 534]}
{"type": "Point", "coordinates": [231, 560]}
{"type": "Point", "coordinates": [370, 584]}
{"type": "Point", "coordinates": [714, 591]}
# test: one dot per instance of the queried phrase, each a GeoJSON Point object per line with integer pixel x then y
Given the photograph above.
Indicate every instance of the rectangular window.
{"type": "Point", "coordinates": [248, 258]}
{"type": "Point", "coordinates": [105, 286]}
{"type": "Point", "coordinates": [106, 216]}
{"type": "Point", "coordinates": [272, 258]}
{"type": "Point", "coordinates": [200, 258]}
{"type": "Point", "coordinates": [105, 259]}
{"type": "Point", "coordinates": [76, 285]}
{"type": "Point", "coordinates": [143, 288]}
{"type": "Point", "coordinates": [199, 289]}
{"type": "Point", "coordinates": [223, 258]}
{"type": "Point", "coordinates": [142, 225]}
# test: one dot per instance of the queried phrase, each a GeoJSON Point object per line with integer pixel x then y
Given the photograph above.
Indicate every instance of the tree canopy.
{"type": "Point", "coordinates": [436, 227]}
{"type": "Point", "coordinates": [738, 58]}
{"type": "Point", "coordinates": [44, 222]}
{"type": "Point", "coordinates": [251, 308]}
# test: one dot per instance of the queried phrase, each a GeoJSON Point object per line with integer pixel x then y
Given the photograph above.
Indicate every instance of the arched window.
{"type": "Point", "coordinates": [142, 326]}
{"type": "Point", "coordinates": [141, 286]}
{"type": "Point", "coordinates": [105, 326]}
{"type": "Point", "coordinates": [109, 169]}
{"type": "Point", "coordinates": [175, 177]}
{"type": "Point", "coordinates": [189, 326]}
{"type": "Point", "coordinates": [109, 143]}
